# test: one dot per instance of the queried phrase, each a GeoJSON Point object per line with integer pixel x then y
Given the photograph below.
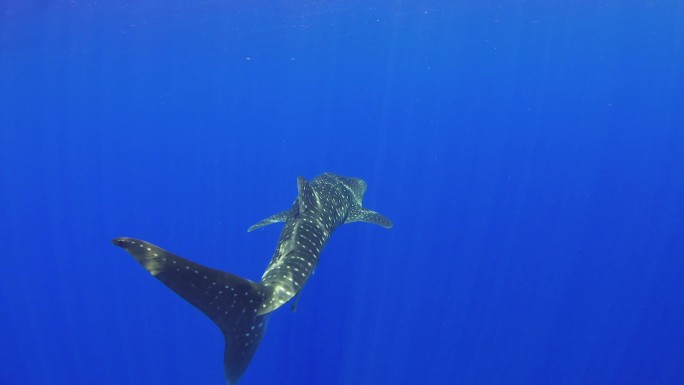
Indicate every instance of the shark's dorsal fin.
{"type": "Point", "coordinates": [275, 218]}
{"type": "Point", "coordinates": [306, 195]}
{"type": "Point", "coordinates": [359, 214]}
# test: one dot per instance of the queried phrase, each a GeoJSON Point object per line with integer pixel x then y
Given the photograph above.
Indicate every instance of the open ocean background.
{"type": "Point", "coordinates": [530, 154]}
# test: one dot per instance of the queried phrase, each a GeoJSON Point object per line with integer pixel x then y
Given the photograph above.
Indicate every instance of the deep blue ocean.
{"type": "Point", "coordinates": [530, 154]}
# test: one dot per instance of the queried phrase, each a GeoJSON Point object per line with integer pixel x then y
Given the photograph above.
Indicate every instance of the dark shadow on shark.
{"type": "Point", "coordinates": [241, 307]}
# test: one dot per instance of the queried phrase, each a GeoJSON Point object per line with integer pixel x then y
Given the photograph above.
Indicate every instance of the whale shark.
{"type": "Point", "coordinates": [240, 307]}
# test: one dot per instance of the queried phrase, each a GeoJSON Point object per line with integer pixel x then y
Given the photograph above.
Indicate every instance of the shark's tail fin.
{"type": "Point", "coordinates": [230, 301]}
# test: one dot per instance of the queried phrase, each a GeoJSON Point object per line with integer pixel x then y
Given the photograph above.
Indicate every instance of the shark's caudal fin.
{"type": "Point", "coordinates": [230, 301]}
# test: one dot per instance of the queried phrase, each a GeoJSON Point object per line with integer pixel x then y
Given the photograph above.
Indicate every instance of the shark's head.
{"type": "Point", "coordinates": [355, 185]}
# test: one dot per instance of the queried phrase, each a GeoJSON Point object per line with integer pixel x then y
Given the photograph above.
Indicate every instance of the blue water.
{"type": "Point", "coordinates": [530, 154]}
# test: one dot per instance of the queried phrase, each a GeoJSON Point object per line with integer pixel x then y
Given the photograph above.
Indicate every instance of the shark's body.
{"type": "Point", "coordinates": [241, 307]}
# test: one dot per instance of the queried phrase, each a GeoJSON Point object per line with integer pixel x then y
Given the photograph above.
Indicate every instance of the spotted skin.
{"type": "Point", "coordinates": [230, 301]}
{"type": "Point", "coordinates": [240, 307]}
{"type": "Point", "coordinates": [321, 206]}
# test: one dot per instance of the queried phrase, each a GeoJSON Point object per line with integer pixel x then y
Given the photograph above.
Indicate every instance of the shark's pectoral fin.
{"type": "Point", "coordinates": [230, 301]}
{"type": "Point", "coordinates": [293, 307]}
{"type": "Point", "coordinates": [275, 218]}
{"type": "Point", "coordinates": [364, 215]}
